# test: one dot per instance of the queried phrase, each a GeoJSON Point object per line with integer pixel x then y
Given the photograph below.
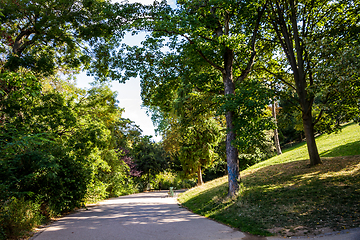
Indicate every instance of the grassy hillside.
{"type": "Point", "coordinates": [344, 143]}
{"type": "Point", "coordinates": [284, 196]}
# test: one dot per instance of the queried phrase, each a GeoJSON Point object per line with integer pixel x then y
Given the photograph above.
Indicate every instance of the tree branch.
{"type": "Point", "coordinates": [318, 117]}
{"type": "Point", "coordinates": [198, 50]}
{"type": "Point", "coordinates": [291, 100]}
{"type": "Point", "coordinates": [247, 70]}
{"type": "Point", "coordinates": [280, 78]}
{"type": "Point", "coordinates": [203, 55]}
{"type": "Point", "coordinates": [286, 40]}
{"type": "Point", "coordinates": [298, 46]}
{"type": "Point", "coordinates": [19, 45]}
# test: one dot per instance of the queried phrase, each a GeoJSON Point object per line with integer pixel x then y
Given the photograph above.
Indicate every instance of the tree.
{"type": "Point", "coordinates": [296, 26]}
{"type": "Point", "coordinates": [62, 36]}
{"type": "Point", "coordinates": [218, 35]}
{"type": "Point", "coordinates": [252, 119]}
{"type": "Point", "coordinates": [127, 133]}
{"type": "Point", "coordinates": [193, 131]}
{"type": "Point", "coordinates": [34, 163]}
{"type": "Point", "coordinates": [197, 145]}
{"type": "Point", "coordinates": [149, 157]}
{"type": "Point", "coordinates": [276, 133]}
{"type": "Point", "coordinates": [59, 143]}
{"type": "Point", "coordinates": [69, 138]}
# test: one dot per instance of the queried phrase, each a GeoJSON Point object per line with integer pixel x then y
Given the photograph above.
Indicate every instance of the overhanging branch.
{"type": "Point", "coordinates": [246, 71]}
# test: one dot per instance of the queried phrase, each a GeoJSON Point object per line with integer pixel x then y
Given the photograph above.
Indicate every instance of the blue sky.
{"type": "Point", "coordinates": [128, 96]}
{"type": "Point", "coordinates": [129, 93]}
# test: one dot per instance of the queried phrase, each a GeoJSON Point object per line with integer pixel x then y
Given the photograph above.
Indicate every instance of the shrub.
{"type": "Point", "coordinates": [169, 179]}
{"type": "Point", "coordinates": [59, 183]}
{"type": "Point", "coordinates": [96, 191]}
{"type": "Point", "coordinates": [120, 185]}
{"type": "Point", "coordinates": [118, 176]}
{"type": "Point", "coordinates": [217, 169]}
{"type": "Point", "coordinates": [18, 216]}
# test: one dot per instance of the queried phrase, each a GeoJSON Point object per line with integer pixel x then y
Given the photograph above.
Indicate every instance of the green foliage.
{"type": "Point", "coordinates": [118, 180]}
{"type": "Point", "coordinates": [321, 53]}
{"type": "Point", "coordinates": [340, 64]}
{"type": "Point", "coordinates": [252, 121]}
{"type": "Point", "coordinates": [215, 170]}
{"type": "Point", "coordinates": [53, 178]}
{"type": "Point", "coordinates": [289, 123]}
{"type": "Point", "coordinates": [59, 143]}
{"type": "Point", "coordinates": [47, 36]}
{"type": "Point", "coordinates": [211, 50]}
{"type": "Point", "coordinates": [149, 157]}
{"type": "Point", "coordinates": [18, 92]}
{"type": "Point", "coordinates": [96, 191]}
{"type": "Point", "coordinates": [17, 217]}
{"type": "Point", "coordinates": [197, 144]}
{"type": "Point", "coordinates": [169, 179]}
{"type": "Point", "coordinates": [265, 151]}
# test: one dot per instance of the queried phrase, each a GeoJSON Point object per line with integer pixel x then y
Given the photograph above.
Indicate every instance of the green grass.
{"type": "Point", "coordinates": [284, 196]}
{"type": "Point", "coordinates": [344, 143]}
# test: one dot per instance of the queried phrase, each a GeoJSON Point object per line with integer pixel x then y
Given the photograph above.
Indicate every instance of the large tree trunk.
{"type": "Point", "coordinates": [200, 179]}
{"type": "Point", "coordinates": [306, 103]}
{"type": "Point", "coordinates": [306, 109]}
{"type": "Point", "coordinates": [276, 134]}
{"type": "Point", "coordinates": [310, 140]}
{"type": "Point", "coordinates": [231, 151]}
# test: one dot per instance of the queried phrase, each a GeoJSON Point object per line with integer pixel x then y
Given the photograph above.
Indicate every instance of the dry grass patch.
{"type": "Point", "coordinates": [286, 199]}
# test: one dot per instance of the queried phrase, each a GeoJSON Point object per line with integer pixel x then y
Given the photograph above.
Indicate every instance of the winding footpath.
{"type": "Point", "coordinates": [147, 216]}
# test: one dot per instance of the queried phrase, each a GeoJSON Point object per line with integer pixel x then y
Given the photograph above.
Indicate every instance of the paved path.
{"type": "Point", "coordinates": [144, 216]}
{"type": "Point", "coordinates": [147, 216]}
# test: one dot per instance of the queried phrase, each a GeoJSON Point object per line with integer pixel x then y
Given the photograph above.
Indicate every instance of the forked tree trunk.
{"type": "Point", "coordinates": [199, 174]}
{"type": "Point", "coordinates": [276, 134]}
{"type": "Point", "coordinates": [286, 26]}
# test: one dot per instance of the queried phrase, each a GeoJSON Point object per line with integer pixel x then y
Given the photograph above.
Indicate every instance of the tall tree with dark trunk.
{"type": "Point", "coordinates": [221, 35]}
{"type": "Point", "coordinates": [296, 25]}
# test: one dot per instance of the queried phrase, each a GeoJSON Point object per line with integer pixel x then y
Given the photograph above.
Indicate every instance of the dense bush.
{"type": "Point", "coordinates": [55, 179]}
{"type": "Point", "coordinates": [58, 147]}
{"type": "Point", "coordinates": [18, 216]}
{"type": "Point", "coordinates": [118, 178]}
{"type": "Point", "coordinates": [217, 169]}
{"type": "Point", "coordinates": [166, 180]}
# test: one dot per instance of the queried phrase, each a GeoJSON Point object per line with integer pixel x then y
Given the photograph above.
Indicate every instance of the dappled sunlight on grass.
{"type": "Point", "coordinates": [286, 196]}
{"type": "Point", "coordinates": [344, 143]}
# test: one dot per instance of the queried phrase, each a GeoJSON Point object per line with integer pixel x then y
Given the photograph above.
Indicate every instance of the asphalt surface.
{"type": "Point", "coordinates": [149, 216]}
{"type": "Point", "coordinates": [143, 216]}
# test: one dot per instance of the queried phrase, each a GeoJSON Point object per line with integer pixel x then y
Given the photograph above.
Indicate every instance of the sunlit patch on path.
{"type": "Point", "coordinates": [139, 216]}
